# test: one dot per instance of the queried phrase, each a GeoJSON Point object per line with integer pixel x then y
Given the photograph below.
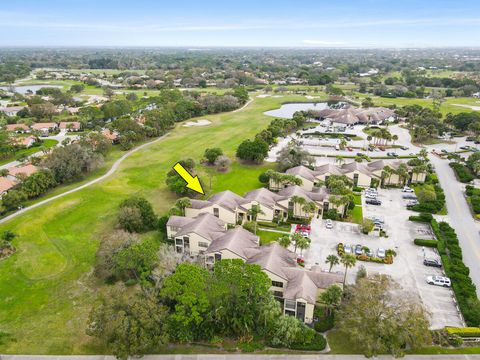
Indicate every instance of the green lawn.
{"type": "Point", "coordinates": [46, 287]}
{"type": "Point", "coordinates": [267, 237]}
{"type": "Point", "coordinates": [47, 143]}
{"type": "Point", "coordinates": [357, 214]}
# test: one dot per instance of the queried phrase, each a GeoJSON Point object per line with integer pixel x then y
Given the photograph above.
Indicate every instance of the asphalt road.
{"type": "Point", "coordinates": [460, 218]}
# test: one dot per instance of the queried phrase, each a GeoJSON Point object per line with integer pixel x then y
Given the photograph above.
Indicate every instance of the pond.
{"type": "Point", "coordinates": [23, 89]}
{"type": "Point", "coordinates": [287, 110]}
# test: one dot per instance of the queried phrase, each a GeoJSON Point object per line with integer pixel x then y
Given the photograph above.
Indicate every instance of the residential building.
{"type": "Point", "coordinates": [28, 141]}
{"type": "Point", "coordinates": [44, 128]}
{"type": "Point", "coordinates": [70, 126]}
{"type": "Point", "coordinates": [193, 236]}
{"type": "Point", "coordinates": [23, 170]}
{"type": "Point", "coordinates": [18, 128]}
{"type": "Point", "coordinates": [5, 185]}
{"type": "Point", "coordinates": [11, 110]}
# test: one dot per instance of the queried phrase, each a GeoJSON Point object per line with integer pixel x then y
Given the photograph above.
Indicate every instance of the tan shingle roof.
{"type": "Point", "coordinates": [317, 194]}
{"type": "Point", "coordinates": [235, 240]}
{"type": "Point", "coordinates": [328, 169]}
{"type": "Point", "coordinates": [302, 171]}
{"type": "Point", "coordinates": [263, 196]}
{"type": "Point", "coordinates": [205, 225]}
{"type": "Point", "coordinates": [5, 184]}
{"type": "Point", "coordinates": [16, 127]}
{"type": "Point", "coordinates": [39, 126]}
{"type": "Point", "coordinates": [227, 199]}
{"type": "Point", "coordinates": [272, 257]}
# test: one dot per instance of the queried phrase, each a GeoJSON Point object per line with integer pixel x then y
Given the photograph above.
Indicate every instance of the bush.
{"type": "Point", "coordinates": [318, 343]}
{"type": "Point", "coordinates": [423, 217]}
{"type": "Point", "coordinates": [462, 172]}
{"type": "Point", "coordinates": [137, 215]}
{"type": "Point", "coordinates": [249, 347]}
{"type": "Point", "coordinates": [212, 154]}
{"type": "Point", "coordinates": [463, 332]}
{"type": "Point", "coordinates": [331, 214]}
{"type": "Point", "coordinates": [426, 243]}
{"type": "Point", "coordinates": [324, 324]}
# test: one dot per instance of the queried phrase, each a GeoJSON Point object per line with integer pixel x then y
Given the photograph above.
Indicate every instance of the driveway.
{"type": "Point", "coordinates": [460, 218]}
{"type": "Point", "coordinates": [408, 269]}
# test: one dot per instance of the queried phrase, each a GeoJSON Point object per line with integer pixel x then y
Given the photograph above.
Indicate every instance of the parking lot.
{"type": "Point", "coordinates": [408, 269]}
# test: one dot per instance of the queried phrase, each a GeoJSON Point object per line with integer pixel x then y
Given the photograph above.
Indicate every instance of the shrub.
{"type": "Point", "coordinates": [331, 214]}
{"type": "Point", "coordinates": [137, 215]}
{"type": "Point", "coordinates": [318, 343]}
{"type": "Point", "coordinates": [464, 332]}
{"type": "Point", "coordinates": [212, 154]}
{"type": "Point", "coordinates": [426, 243]}
{"type": "Point", "coordinates": [325, 323]}
{"type": "Point", "coordinates": [423, 217]}
{"type": "Point", "coordinates": [462, 172]}
{"type": "Point", "coordinates": [250, 346]}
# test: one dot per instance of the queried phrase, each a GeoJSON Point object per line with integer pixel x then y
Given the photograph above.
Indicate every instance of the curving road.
{"type": "Point", "coordinates": [114, 168]}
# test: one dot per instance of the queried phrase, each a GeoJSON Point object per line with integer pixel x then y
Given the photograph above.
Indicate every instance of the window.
{"type": "Point", "coordinates": [291, 305]}
{"type": "Point", "coordinates": [277, 284]}
{"type": "Point", "coordinates": [202, 244]}
{"type": "Point", "coordinates": [278, 294]}
{"type": "Point", "coordinates": [179, 241]}
{"type": "Point", "coordinates": [216, 212]}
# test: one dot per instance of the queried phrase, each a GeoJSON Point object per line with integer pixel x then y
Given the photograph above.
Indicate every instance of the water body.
{"type": "Point", "coordinates": [287, 110]}
{"type": "Point", "coordinates": [23, 89]}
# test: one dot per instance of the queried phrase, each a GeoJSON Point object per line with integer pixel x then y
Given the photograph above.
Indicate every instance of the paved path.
{"type": "Point", "coordinates": [459, 216]}
{"type": "Point", "coordinates": [239, 357]}
{"type": "Point", "coordinates": [114, 167]}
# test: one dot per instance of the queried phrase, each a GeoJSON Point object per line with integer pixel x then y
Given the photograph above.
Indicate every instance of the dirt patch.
{"type": "Point", "coordinates": [201, 122]}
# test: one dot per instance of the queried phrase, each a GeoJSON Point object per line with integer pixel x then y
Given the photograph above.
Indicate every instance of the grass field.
{"type": "Point", "coordinates": [46, 287]}
{"type": "Point", "coordinates": [47, 144]}
{"type": "Point", "coordinates": [267, 237]}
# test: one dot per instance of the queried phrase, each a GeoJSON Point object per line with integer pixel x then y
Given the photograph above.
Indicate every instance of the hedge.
{"type": "Point", "coordinates": [458, 272]}
{"type": "Point", "coordinates": [427, 243]}
{"type": "Point", "coordinates": [325, 323]}
{"type": "Point", "coordinates": [462, 172]}
{"type": "Point", "coordinates": [463, 332]}
{"type": "Point", "coordinates": [318, 344]}
{"type": "Point", "coordinates": [423, 217]}
{"type": "Point", "coordinates": [434, 206]}
{"type": "Point", "coordinates": [474, 196]}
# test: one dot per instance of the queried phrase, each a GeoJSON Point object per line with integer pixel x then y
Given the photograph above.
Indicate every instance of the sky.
{"type": "Point", "coordinates": [246, 23]}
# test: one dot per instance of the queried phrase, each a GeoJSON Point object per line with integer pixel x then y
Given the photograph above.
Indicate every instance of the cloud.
{"type": "Point", "coordinates": [323, 42]}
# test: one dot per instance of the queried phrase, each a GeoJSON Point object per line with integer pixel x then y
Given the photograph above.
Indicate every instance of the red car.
{"type": "Point", "coordinates": [350, 149]}
{"type": "Point", "coordinates": [303, 229]}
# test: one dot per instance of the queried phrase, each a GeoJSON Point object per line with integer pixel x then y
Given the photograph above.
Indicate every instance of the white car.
{"type": "Point", "coordinates": [381, 253]}
{"type": "Point", "coordinates": [371, 196]}
{"type": "Point", "coordinates": [348, 249]}
{"type": "Point", "coordinates": [329, 224]}
{"type": "Point", "coordinates": [439, 281]}
{"type": "Point", "coordinates": [407, 189]}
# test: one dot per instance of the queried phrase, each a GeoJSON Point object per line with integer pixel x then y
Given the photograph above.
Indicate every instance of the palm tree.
{"type": "Point", "coordinates": [402, 173]}
{"type": "Point", "coordinates": [302, 243]}
{"type": "Point", "coordinates": [394, 138]}
{"type": "Point", "coordinates": [296, 239]}
{"type": "Point", "coordinates": [423, 154]}
{"type": "Point", "coordinates": [348, 260]}
{"type": "Point", "coordinates": [339, 159]}
{"type": "Point", "coordinates": [182, 204]}
{"type": "Point", "coordinates": [297, 200]}
{"type": "Point", "coordinates": [309, 208]}
{"type": "Point", "coordinates": [285, 241]}
{"type": "Point", "coordinates": [254, 211]}
{"type": "Point", "coordinates": [343, 143]}
{"type": "Point", "coordinates": [332, 260]}
{"type": "Point", "coordinates": [331, 298]}
{"type": "Point", "coordinates": [386, 173]}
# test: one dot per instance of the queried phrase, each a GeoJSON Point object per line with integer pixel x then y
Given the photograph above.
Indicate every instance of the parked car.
{"type": "Point", "coordinates": [358, 250]}
{"type": "Point", "coordinates": [439, 281]}
{"type": "Point", "coordinates": [302, 227]}
{"type": "Point", "coordinates": [329, 224]}
{"type": "Point", "coordinates": [444, 151]}
{"type": "Point", "coordinates": [407, 189]}
{"type": "Point", "coordinates": [381, 253]}
{"type": "Point", "coordinates": [404, 148]}
{"type": "Point", "coordinates": [470, 138]}
{"type": "Point", "coordinates": [348, 249]}
{"type": "Point", "coordinates": [360, 154]}
{"type": "Point", "coordinates": [373, 202]}
{"type": "Point", "coordinates": [350, 149]}
{"type": "Point", "coordinates": [370, 148]}
{"type": "Point", "coordinates": [371, 195]}
{"type": "Point", "coordinates": [432, 262]}
{"type": "Point", "coordinates": [348, 138]}
{"type": "Point", "coordinates": [370, 253]}
{"type": "Point", "coordinates": [409, 196]}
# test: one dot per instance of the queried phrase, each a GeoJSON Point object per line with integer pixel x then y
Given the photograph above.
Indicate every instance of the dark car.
{"type": "Point", "coordinates": [432, 262]}
{"type": "Point", "coordinates": [404, 148]}
{"type": "Point", "coordinates": [370, 148]}
{"type": "Point", "coordinates": [358, 250]}
{"type": "Point", "coordinates": [348, 139]}
{"type": "Point", "coordinates": [360, 154]}
{"type": "Point", "coordinates": [373, 202]}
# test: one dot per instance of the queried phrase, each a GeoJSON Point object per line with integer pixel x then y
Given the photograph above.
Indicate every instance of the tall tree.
{"type": "Point", "coordinates": [332, 260]}
{"type": "Point", "coordinates": [348, 260]}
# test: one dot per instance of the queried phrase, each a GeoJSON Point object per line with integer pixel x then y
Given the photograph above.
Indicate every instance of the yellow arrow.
{"type": "Point", "coordinates": [192, 182]}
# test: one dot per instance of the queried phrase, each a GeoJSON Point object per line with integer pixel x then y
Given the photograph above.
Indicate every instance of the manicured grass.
{"type": "Point", "coordinates": [47, 290]}
{"type": "Point", "coordinates": [357, 214]}
{"type": "Point", "coordinates": [357, 199]}
{"type": "Point", "coordinates": [47, 144]}
{"type": "Point", "coordinates": [267, 237]}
